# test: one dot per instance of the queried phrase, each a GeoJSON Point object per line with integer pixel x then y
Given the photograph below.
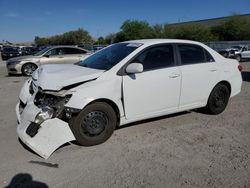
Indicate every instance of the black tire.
{"type": "Point", "coordinates": [28, 69]}
{"type": "Point", "coordinates": [218, 99]}
{"type": "Point", "coordinates": [94, 124]}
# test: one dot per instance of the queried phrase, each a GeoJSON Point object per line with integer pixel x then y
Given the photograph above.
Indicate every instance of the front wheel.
{"type": "Point", "coordinates": [218, 99]}
{"type": "Point", "coordinates": [28, 69]}
{"type": "Point", "coordinates": [94, 124]}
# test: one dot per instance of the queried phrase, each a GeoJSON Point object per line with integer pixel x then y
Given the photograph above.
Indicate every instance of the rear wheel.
{"type": "Point", "coordinates": [28, 69]}
{"type": "Point", "coordinates": [218, 99]}
{"type": "Point", "coordinates": [94, 124]}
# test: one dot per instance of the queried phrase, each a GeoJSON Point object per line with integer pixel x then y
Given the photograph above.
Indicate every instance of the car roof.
{"type": "Point", "coordinates": [159, 41]}
{"type": "Point", "coordinates": [65, 46]}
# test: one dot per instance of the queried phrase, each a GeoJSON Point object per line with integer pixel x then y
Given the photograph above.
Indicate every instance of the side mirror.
{"type": "Point", "coordinates": [46, 55]}
{"type": "Point", "coordinates": [134, 68]}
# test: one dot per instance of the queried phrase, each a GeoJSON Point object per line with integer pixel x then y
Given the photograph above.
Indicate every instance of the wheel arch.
{"type": "Point", "coordinates": [227, 84]}
{"type": "Point", "coordinates": [110, 103]}
{"type": "Point", "coordinates": [25, 63]}
{"type": "Point", "coordinates": [224, 82]}
{"type": "Point", "coordinates": [30, 62]}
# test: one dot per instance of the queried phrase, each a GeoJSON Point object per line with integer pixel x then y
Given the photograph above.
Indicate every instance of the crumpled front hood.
{"type": "Point", "coordinates": [55, 77]}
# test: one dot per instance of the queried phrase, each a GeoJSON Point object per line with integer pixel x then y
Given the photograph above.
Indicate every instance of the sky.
{"type": "Point", "coordinates": [22, 20]}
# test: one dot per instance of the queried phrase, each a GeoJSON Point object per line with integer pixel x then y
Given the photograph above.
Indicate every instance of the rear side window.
{"type": "Point", "coordinates": [193, 54]}
{"type": "Point", "coordinates": [56, 51]}
{"type": "Point", "coordinates": [156, 57]}
{"type": "Point", "coordinates": [74, 51]}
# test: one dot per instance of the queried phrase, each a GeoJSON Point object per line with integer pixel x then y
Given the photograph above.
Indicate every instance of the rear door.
{"type": "Point", "coordinates": [157, 89]}
{"type": "Point", "coordinates": [74, 55]}
{"type": "Point", "coordinates": [199, 75]}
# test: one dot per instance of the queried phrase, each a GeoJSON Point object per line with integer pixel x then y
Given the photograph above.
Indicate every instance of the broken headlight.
{"type": "Point", "coordinates": [44, 100]}
{"type": "Point", "coordinates": [46, 113]}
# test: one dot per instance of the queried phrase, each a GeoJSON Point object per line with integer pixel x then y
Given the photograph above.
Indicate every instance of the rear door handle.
{"type": "Point", "coordinates": [174, 75]}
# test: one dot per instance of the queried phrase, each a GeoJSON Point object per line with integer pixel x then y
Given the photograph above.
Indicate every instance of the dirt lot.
{"type": "Point", "coordinates": [185, 150]}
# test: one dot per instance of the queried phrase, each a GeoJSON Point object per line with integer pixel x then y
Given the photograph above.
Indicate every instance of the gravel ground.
{"type": "Point", "coordinates": [188, 149]}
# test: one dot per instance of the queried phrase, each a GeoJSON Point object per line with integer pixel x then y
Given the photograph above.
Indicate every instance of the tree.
{"type": "Point", "coordinates": [75, 37]}
{"type": "Point", "coordinates": [100, 40]}
{"type": "Point", "coordinates": [131, 30]}
{"type": "Point", "coordinates": [195, 32]}
{"type": "Point", "coordinates": [158, 31]}
{"type": "Point", "coordinates": [234, 28]}
{"type": "Point", "coordinates": [109, 39]}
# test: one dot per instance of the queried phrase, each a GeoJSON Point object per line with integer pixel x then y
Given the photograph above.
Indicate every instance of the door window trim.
{"type": "Point", "coordinates": [204, 52]}
{"type": "Point", "coordinates": [122, 71]}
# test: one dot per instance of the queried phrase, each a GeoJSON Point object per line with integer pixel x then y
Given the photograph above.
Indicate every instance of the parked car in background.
{"type": "Point", "coordinates": [29, 50]}
{"type": "Point", "coordinates": [238, 52]}
{"type": "Point", "coordinates": [243, 53]}
{"type": "Point", "coordinates": [98, 47]}
{"type": "Point", "coordinates": [26, 65]}
{"type": "Point", "coordinates": [10, 52]}
{"type": "Point", "coordinates": [123, 83]}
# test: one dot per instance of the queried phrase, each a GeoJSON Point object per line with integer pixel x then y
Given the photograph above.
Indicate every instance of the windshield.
{"type": "Point", "coordinates": [42, 51]}
{"type": "Point", "coordinates": [110, 56]}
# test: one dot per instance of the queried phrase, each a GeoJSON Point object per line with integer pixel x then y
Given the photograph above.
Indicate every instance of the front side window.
{"type": "Point", "coordinates": [192, 54]}
{"type": "Point", "coordinates": [56, 51]}
{"type": "Point", "coordinates": [42, 51]}
{"type": "Point", "coordinates": [110, 56]}
{"type": "Point", "coordinates": [156, 57]}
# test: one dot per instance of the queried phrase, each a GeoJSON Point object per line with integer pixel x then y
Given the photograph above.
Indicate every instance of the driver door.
{"type": "Point", "coordinates": [156, 90]}
{"type": "Point", "coordinates": [53, 56]}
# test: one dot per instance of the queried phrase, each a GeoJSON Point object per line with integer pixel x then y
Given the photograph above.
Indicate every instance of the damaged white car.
{"type": "Point", "coordinates": [122, 83]}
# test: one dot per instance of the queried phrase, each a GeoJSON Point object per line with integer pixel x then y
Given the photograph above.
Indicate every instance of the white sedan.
{"type": "Point", "coordinates": [123, 83]}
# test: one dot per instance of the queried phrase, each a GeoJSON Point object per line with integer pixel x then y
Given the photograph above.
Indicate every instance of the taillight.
{"type": "Point", "coordinates": [240, 68]}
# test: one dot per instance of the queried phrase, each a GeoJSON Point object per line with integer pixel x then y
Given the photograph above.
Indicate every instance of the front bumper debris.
{"type": "Point", "coordinates": [45, 138]}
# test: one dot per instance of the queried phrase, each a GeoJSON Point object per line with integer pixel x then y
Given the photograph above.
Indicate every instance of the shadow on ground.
{"type": "Point", "coordinates": [245, 76]}
{"type": "Point", "coordinates": [25, 181]}
{"type": "Point", "coordinates": [152, 119]}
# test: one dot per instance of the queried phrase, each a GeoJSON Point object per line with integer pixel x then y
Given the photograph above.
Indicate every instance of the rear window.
{"type": "Point", "coordinates": [193, 54]}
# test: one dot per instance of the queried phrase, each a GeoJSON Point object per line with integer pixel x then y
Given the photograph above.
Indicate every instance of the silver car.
{"type": "Point", "coordinates": [26, 65]}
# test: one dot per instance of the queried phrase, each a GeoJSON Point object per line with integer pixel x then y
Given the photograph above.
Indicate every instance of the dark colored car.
{"type": "Point", "coordinates": [29, 50]}
{"type": "Point", "coordinates": [10, 52]}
